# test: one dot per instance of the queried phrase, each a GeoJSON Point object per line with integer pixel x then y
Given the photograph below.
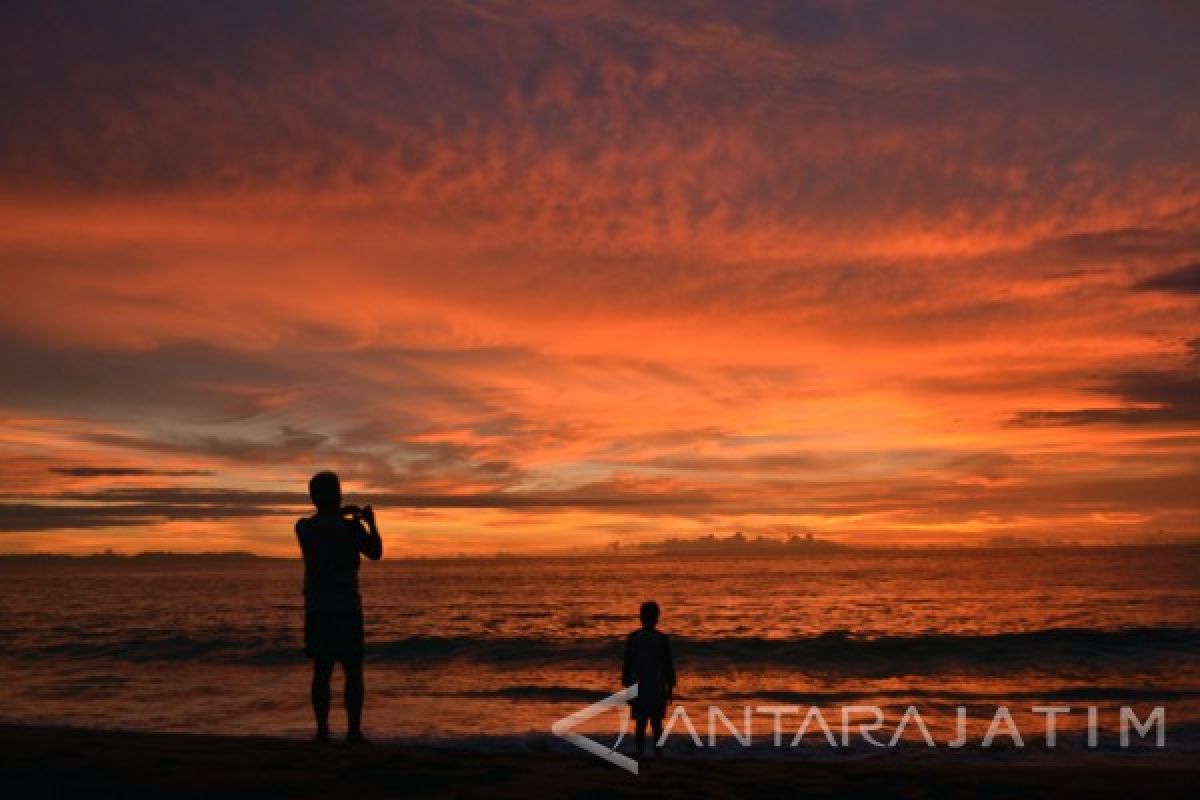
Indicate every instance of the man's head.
{"type": "Point", "coordinates": [326, 492]}
{"type": "Point", "coordinates": [649, 614]}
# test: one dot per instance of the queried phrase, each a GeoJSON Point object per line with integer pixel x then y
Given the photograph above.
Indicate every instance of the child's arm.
{"type": "Point", "coordinates": [669, 671]}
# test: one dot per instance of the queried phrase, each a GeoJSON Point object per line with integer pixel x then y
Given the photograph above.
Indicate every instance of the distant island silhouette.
{"type": "Point", "coordinates": [733, 544]}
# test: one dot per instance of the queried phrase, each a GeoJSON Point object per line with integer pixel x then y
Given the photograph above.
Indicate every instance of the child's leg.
{"type": "Point", "coordinates": [656, 728]}
{"type": "Point", "coordinates": [639, 736]}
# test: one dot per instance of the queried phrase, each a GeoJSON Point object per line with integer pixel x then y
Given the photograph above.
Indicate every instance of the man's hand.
{"type": "Point", "coordinates": [370, 543]}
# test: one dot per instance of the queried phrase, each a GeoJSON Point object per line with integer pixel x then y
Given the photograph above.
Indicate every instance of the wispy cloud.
{"type": "Point", "coordinates": [1148, 398]}
{"type": "Point", "coordinates": [129, 472]}
{"type": "Point", "coordinates": [1185, 280]}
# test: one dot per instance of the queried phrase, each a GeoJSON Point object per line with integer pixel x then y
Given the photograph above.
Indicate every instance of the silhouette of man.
{"type": "Point", "coordinates": [649, 664]}
{"type": "Point", "coordinates": [332, 540]}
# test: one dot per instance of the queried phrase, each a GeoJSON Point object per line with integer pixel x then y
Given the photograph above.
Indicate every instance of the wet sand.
{"type": "Point", "coordinates": [66, 762]}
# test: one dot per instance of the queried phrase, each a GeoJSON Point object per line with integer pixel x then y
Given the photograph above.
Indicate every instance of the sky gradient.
{"type": "Point", "coordinates": [534, 276]}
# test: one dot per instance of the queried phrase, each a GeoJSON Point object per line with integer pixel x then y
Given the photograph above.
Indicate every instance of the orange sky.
{"type": "Point", "coordinates": [537, 276]}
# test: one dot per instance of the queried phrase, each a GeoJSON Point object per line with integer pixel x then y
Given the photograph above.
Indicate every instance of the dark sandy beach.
{"type": "Point", "coordinates": [63, 763]}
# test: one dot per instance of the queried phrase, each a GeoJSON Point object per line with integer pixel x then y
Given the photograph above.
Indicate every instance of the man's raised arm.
{"type": "Point", "coordinates": [370, 544]}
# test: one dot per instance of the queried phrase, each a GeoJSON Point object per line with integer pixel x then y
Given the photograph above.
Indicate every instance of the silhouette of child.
{"type": "Point", "coordinates": [331, 541]}
{"type": "Point", "coordinates": [649, 664]}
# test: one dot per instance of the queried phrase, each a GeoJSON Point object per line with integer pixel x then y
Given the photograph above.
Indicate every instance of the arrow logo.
{"type": "Point", "coordinates": [564, 729]}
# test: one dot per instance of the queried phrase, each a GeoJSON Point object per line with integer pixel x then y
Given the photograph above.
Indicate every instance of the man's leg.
{"type": "Point", "coordinates": [639, 736]}
{"type": "Point", "coordinates": [354, 692]}
{"type": "Point", "coordinates": [322, 673]}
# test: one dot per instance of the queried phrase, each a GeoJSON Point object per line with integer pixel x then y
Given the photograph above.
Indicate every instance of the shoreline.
{"type": "Point", "coordinates": [45, 761]}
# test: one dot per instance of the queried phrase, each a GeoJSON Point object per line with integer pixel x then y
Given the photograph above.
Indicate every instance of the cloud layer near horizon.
{"type": "Point", "coordinates": [536, 276]}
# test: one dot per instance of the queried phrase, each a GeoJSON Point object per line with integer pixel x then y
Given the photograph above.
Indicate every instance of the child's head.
{"type": "Point", "coordinates": [326, 492]}
{"type": "Point", "coordinates": [649, 614]}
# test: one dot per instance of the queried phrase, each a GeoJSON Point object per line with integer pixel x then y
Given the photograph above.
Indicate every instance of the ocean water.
{"type": "Point", "coordinates": [493, 651]}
